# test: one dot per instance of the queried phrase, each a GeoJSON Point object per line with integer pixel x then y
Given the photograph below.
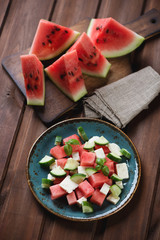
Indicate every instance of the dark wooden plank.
{"type": "Point", "coordinates": [21, 216]}
{"type": "Point", "coordinates": [132, 221]}
{"type": "Point", "coordinates": [16, 37]}
{"type": "Point", "coordinates": [16, 202]}
{"type": "Point", "coordinates": [61, 228]}
{"type": "Point", "coordinates": [151, 53]}
{"type": "Point", "coordinates": [4, 6]}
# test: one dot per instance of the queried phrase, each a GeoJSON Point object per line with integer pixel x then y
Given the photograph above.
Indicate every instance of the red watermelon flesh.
{"type": "Point", "coordinates": [98, 197]}
{"type": "Point", "coordinates": [67, 75]}
{"type": "Point", "coordinates": [34, 80]}
{"type": "Point", "coordinates": [91, 60]}
{"type": "Point", "coordinates": [51, 39]}
{"type": "Point", "coordinates": [112, 38]}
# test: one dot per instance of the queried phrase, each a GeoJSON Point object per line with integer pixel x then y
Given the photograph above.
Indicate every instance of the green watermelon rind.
{"type": "Point", "coordinates": [118, 53]}
{"type": "Point", "coordinates": [37, 101]}
{"type": "Point", "coordinates": [67, 44]}
{"type": "Point", "coordinates": [75, 98]}
{"type": "Point", "coordinates": [102, 74]}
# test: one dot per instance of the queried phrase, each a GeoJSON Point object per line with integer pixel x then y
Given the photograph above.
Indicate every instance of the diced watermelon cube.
{"type": "Point", "coordinates": [86, 188]}
{"type": "Point", "coordinates": [74, 147]}
{"type": "Point", "coordinates": [79, 193]}
{"type": "Point", "coordinates": [81, 150]}
{"type": "Point", "coordinates": [58, 152]}
{"type": "Point", "coordinates": [105, 148]}
{"type": "Point", "coordinates": [61, 162]}
{"type": "Point", "coordinates": [88, 159]}
{"type": "Point", "coordinates": [57, 191]}
{"type": "Point", "coordinates": [71, 198]}
{"type": "Point", "coordinates": [98, 197]}
{"type": "Point", "coordinates": [111, 165]}
{"type": "Point", "coordinates": [98, 179]}
{"type": "Point", "coordinates": [58, 180]}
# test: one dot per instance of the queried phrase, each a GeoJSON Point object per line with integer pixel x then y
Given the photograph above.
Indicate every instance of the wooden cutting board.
{"type": "Point", "coordinates": [56, 103]}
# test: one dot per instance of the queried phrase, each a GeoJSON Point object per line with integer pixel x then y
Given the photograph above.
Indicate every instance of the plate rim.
{"type": "Point", "coordinates": [89, 218]}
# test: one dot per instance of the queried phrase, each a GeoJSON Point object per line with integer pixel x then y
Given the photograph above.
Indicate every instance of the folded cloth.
{"type": "Point", "coordinates": [121, 101]}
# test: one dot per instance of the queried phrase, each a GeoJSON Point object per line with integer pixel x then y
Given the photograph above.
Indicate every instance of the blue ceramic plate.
{"type": "Point", "coordinates": [92, 127]}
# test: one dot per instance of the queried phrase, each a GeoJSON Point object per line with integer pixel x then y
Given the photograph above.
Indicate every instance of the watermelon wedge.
{"type": "Point", "coordinates": [34, 80]}
{"type": "Point", "coordinates": [112, 38]}
{"type": "Point", "coordinates": [67, 75]}
{"type": "Point", "coordinates": [91, 61]}
{"type": "Point", "coordinates": [51, 39]}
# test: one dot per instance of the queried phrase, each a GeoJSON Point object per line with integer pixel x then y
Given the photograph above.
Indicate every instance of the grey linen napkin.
{"type": "Point", "coordinates": [121, 101]}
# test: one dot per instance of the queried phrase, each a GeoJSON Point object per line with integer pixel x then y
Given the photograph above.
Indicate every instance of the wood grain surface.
{"type": "Point", "coordinates": [21, 217]}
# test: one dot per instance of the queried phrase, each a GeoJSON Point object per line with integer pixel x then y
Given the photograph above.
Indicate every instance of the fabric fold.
{"type": "Point", "coordinates": [121, 101]}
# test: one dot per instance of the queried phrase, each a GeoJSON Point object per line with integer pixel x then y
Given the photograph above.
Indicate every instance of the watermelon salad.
{"type": "Point", "coordinates": [105, 38]}
{"type": "Point", "coordinates": [87, 172]}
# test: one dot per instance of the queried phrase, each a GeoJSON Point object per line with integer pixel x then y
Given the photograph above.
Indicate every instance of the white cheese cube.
{"type": "Point", "coordinates": [114, 148]}
{"type": "Point", "coordinates": [68, 185]}
{"type": "Point", "coordinates": [53, 165]}
{"type": "Point", "coordinates": [50, 177]}
{"type": "Point", "coordinates": [75, 156]}
{"type": "Point", "coordinates": [80, 200]}
{"type": "Point", "coordinates": [82, 170]}
{"type": "Point", "coordinates": [113, 199]}
{"type": "Point", "coordinates": [100, 153]}
{"type": "Point", "coordinates": [93, 139]}
{"type": "Point", "coordinates": [122, 170]}
{"type": "Point", "coordinates": [119, 184]}
{"type": "Point", "coordinates": [105, 189]}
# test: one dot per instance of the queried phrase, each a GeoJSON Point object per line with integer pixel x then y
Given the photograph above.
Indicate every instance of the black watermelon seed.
{"type": "Point", "coordinates": [57, 28]}
{"type": "Point", "coordinates": [80, 59]}
{"type": "Point", "coordinates": [69, 73]}
{"type": "Point", "coordinates": [91, 56]}
{"type": "Point", "coordinates": [95, 64]}
{"type": "Point", "coordinates": [30, 75]}
{"type": "Point", "coordinates": [72, 73]}
{"type": "Point", "coordinates": [107, 31]}
{"type": "Point", "coordinates": [94, 47]}
{"type": "Point", "coordinates": [66, 31]}
{"type": "Point", "coordinates": [97, 40]}
{"type": "Point", "coordinates": [36, 78]}
{"type": "Point", "coordinates": [47, 36]}
{"type": "Point", "coordinates": [104, 39]}
{"type": "Point", "coordinates": [77, 79]}
{"type": "Point", "coordinates": [35, 86]}
{"type": "Point", "coordinates": [43, 43]}
{"type": "Point", "coordinates": [97, 28]}
{"type": "Point", "coordinates": [62, 76]}
{"type": "Point", "coordinates": [28, 86]}
{"type": "Point", "coordinates": [53, 32]}
{"type": "Point", "coordinates": [94, 54]}
{"type": "Point", "coordinates": [49, 41]}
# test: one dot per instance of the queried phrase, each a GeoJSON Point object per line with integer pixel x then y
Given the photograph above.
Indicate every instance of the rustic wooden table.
{"type": "Point", "coordinates": [21, 217]}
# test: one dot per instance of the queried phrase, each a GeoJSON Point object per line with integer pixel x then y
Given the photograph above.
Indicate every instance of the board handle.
{"type": "Point", "coordinates": [147, 25]}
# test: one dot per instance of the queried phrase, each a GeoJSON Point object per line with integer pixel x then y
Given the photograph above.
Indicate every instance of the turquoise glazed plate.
{"type": "Point", "coordinates": [92, 127]}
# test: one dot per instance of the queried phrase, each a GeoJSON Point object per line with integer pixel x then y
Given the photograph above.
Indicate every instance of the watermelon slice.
{"type": "Point", "coordinates": [91, 61]}
{"type": "Point", "coordinates": [51, 39]}
{"type": "Point", "coordinates": [34, 80]}
{"type": "Point", "coordinates": [112, 38]}
{"type": "Point", "coordinates": [67, 75]}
